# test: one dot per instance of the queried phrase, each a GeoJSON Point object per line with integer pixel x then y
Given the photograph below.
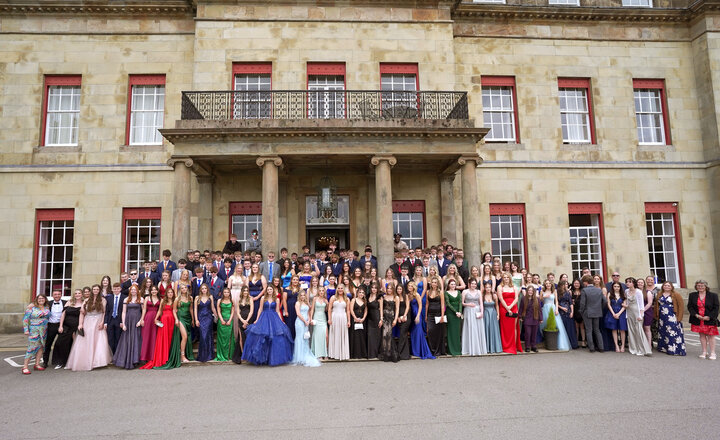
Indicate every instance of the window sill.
{"type": "Point", "coordinates": [655, 148]}
{"type": "Point", "coordinates": [504, 146]}
{"type": "Point", "coordinates": [58, 149]}
{"type": "Point", "coordinates": [141, 148]}
{"type": "Point", "coordinates": [580, 147]}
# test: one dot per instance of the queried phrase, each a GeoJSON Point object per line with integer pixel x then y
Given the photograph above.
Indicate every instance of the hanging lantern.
{"type": "Point", "coordinates": [327, 198]}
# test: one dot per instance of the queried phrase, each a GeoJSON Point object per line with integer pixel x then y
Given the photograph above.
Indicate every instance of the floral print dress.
{"type": "Point", "coordinates": [671, 339]}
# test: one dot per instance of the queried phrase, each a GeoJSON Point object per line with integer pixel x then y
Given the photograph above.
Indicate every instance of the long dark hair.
{"type": "Point", "coordinates": [612, 290]}
{"type": "Point", "coordinates": [530, 296]}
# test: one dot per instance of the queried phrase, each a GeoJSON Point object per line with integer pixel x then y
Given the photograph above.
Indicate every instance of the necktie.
{"type": "Point", "coordinates": [147, 274]}
{"type": "Point", "coordinates": [227, 272]}
{"type": "Point", "coordinates": [271, 267]}
{"type": "Point", "coordinates": [212, 283]}
{"type": "Point", "coordinates": [426, 271]}
{"type": "Point", "coordinates": [115, 306]}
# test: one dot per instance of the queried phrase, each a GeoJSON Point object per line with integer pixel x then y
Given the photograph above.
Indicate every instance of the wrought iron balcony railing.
{"type": "Point", "coordinates": [323, 104]}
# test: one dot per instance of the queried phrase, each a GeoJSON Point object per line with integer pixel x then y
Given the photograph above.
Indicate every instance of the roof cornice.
{"type": "Point", "coordinates": [97, 7]}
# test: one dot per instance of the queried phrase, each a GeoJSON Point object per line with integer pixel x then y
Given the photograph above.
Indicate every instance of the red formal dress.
{"type": "Point", "coordinates": [509, 330]}
{"type": "Point", "coordinates": [163, 340]}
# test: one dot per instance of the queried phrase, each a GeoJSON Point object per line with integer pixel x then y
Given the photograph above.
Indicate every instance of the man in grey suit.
{"type": "Point", "coordinates": [592, 305]}
{"type": "Point", "coordinates": [270, 268]}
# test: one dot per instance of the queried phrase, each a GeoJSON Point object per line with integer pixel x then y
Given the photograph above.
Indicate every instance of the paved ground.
{"type": "Point", "coordinates": [575, 395]}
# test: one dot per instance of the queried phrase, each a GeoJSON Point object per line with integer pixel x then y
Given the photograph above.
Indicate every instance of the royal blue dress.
{"type": "Point", "coordinates": [330, 293]}
{"type": "Point", "coordinates": [206, 344]}
{"type": "Point", "coordinates": [268, 340]}
{"type": "Point", "coordinates": [418, 340]}
{"type": "Point", "coordinates": [420, 288]}
{"type": "Point", "coordinates": [616, 324]}
{"type": "Point", "coordinates": [291, 314]}
{"type": "Point", "coordinates": [255, 291]}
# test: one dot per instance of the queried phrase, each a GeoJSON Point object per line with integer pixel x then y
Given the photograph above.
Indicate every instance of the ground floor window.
{"type": "Point", "coordinates": [141, 236]}
{"type": "Point", "coordinates": [409, 221]}
{"type": "Point", "coordinates": [507, 232]}
{"type": "Point", "coordinates": [244, 217]}
{"type": "Point", "coordinates": [587, 246]}
{"type": "Point", "coordinates": [663, 242]}
{"type": "Point", "coordinates": [54, 237]}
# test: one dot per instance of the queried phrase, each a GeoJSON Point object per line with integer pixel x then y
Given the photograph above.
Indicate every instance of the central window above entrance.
{"type": "Point", "coordinates": [340, 217]}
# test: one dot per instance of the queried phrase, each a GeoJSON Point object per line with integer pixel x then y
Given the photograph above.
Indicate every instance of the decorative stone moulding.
{"type": "Point", "coordinates": [130, 7]}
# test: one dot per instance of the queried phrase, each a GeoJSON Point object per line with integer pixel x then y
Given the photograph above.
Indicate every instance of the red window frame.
{"type": "Point", "coordinates": [671, 208]}
{"type": "Point", "coordinates": [512, 209]}
{"type": "Point", "coordinates": [49, 81]}
{"type": "Point", "coordinates": [401, 68]}
{"type": "Point", "coordinates": [41, 215]}
{"type": "Point", "coordinates": [412, 206]}
{"type": "Point", "coordinates": [257, 67]}
{"type": "Point", "coordinates": [136, 214]}
{"type": "Point", "coordinates": [140, 80]}
{"type": "Point", "coordinates": [593, 208]}
{"type": "Point", "coordinates": [658, 84]}
{"type": "Point", "coordinates": [242, 208]}
{"type": "Point", "coordinates": [582, 83]}
{"type": "Point", "coordinates": [504, 81]}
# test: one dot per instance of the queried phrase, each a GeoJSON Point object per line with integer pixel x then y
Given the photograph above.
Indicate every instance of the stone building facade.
{"type": "Point", "coordinates": [557, 133]}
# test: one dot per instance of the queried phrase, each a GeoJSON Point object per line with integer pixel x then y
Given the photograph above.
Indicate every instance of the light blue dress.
{"type": "Point", "coordinates": [301, 352]}
{"type": "Point", "coordinates": [319, 333]}
{"type": "Point", "coordinates": [473, 331]}
{"type": "Point", "coordinates": [492, 328]}
{"type": "Point", "coordinates": [548, 305]}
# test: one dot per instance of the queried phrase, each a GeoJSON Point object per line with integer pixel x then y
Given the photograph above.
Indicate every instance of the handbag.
{"type": "Point", "coordinates": [306, 335]}
{"type": "Point", "coordinates": [511, 315]}
{"type": "Point", "coordinates": [81, 332]}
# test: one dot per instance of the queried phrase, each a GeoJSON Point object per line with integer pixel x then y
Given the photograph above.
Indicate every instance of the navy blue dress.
{"type": "Point", "coordinates": [616, 324]}
{"type": "Point", "coordinates": [255, 291]}
{"type": "Point", "coordinates": [268, 340]}
{"type": "Point", "coordinates": [206, 345]}
{"type": "Point", "coordinates": [566, 301]}
{"type": "Point", "coordinates": [291, 314]}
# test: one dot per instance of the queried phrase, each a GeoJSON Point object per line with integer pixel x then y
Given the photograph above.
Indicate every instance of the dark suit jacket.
{"type": "Point", "coordinates": [372, 260]}
{"type": "Point", "coordinates": [196, 288]}
{"type": "Point", "coordinates": [415, 262]}
{"type": "Point", "coordinates": [711, 308]}
{"type": "Point", "coordinates": [217, 288]}
{"type": "Point", "coordinates": [443, 266]}
{"type": "Point", "coordinates": [231, 248]}
{"type": "Point", "coordinates": [126, 287]}
{"type": "Point", "coordinates": [396, 270]}
{"type": "Point", "coordinates": [171, 266]}
{"type": "Point", "coordinates": [464, 273]}
{"type": "Point", "coordinates": [224, 276]}
{"type": "Point", "coordinates": [109, 308]}
{"type": "Point", "coordinates": [337, 268]}
{"type": "Point", "coordinates": [153, 275]}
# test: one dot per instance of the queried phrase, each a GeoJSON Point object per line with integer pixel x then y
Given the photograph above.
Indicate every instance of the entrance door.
{"type": "Point", "coordinates": [320, 239]}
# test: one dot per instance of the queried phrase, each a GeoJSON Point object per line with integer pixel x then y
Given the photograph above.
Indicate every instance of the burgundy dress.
{"type": "Point", "coordinates": [149, 331]}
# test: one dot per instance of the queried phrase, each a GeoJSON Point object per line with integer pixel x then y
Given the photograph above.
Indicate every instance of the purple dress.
{"type": "Point", "coordinates": [127, 353]}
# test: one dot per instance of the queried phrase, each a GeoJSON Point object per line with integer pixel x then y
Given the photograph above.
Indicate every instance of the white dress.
{"type": "Point", "coordinates": [338, 340]}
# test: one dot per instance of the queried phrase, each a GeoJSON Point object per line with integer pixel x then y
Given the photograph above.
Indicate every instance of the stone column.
{"type": "Point", "coordinates": [470, 217]}
{"type": "Point", "coordinates": [181, 206]}
{"type": "Point", "coordinates": [383, 210]}
{"type": "Point", "coordinates": [205, 212]}
{"type": "Point", "coordinates": [447, 208]}
{"type": "Point", "coordinates": [270, 203]}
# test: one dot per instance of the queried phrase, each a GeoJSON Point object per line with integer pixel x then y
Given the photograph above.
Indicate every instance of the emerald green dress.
{"type": "Point", "coordinates": [225, 336]}
{"type": "Point", "coordinates": [174, 357]}
{"type": "Point", "coordinates": [454, 324]}
{"type": "Point", "coordinates": [186, 320]}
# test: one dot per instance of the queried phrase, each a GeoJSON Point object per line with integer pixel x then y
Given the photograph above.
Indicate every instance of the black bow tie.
{"type": "Point", "coordinates": [55, 302]}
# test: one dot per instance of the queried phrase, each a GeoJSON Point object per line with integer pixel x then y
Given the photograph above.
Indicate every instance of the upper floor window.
{"type": "Point", "coordinates": [651, 111]}
{"type": "Point", "coordinates": [326, 82]}
{"type": "Point", "coordinates": [638, 3]}
{"type": "Point", "coordinates": [61, 110]}
{"type": "Point", "coordinates": [564, 2]}
{"type": "Point", "coordinates": [146, 109]}
{"type": "Point", "coordinates": [500, 108]}
{"type": "Point", "coordinates": [399, 83]}
{"type": "Point", "coordinates": [489, 1]}
{"type": "Point", "coordinates": [252, 79]}
{"type": "Point", "coordinates": [576, 111]}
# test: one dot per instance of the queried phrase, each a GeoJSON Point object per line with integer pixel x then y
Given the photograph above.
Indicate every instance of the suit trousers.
{"type": "Point", "coordinates": [52, 332]}
{"type": "Point", "coordinates": [113, 332]}
{"type": "Point", "coordinates": [592, 331]}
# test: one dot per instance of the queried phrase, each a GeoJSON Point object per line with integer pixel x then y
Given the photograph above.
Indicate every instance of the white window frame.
{"type": "Point", "coordinates": [63, 122]}
{"type": "Point", "coordinates": [252, 105]}
{"type": "Point", "coordinates": [331, 103]}
{"type": "Point", "coordinates": [637, 3]}
{"type": "Point", "coordinates": [53, 234]}
{"type": "Point", "coordinates": [649, 108]}
{"type": "Point", "coordinates": [497, 240]}
{"type": "Point", "coordinates": [146, 248]}
{"type": "Point", "coordinates": [399, 89]}
{"type": "Point", "coordinates": [503, 93]}
{"type": "Point", "coordinates": [242, 226]}
{"type": "Point", "coordinates": [575, 115]}
{"type": "Point", "coordinates": [147, 101]}
{"type": "Point", "coordinates": [416, 217]}
{"type": "Point", "coordinates": [564, 2]}
{"type": "Point", "coordinates": [667, 236]}
{"type": "Point", "coordinates": [587, 254]}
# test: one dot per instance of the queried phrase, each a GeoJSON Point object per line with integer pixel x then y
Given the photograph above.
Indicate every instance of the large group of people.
{"type": "Point", "coordinates": [240, 306]}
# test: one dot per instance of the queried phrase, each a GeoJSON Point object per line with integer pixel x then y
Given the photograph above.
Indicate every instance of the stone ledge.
{"type": "Point", "coordinates": [579, 147]}
{"type": "Point", "coordinates": [503, 146]}
{"type": "Point", "coordinates": [656, 148]}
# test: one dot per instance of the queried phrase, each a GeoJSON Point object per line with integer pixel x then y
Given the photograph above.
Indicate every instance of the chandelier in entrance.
{"type": "Point", "coordinates": [327, 203]}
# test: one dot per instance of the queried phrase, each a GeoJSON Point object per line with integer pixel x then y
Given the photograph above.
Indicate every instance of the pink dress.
{"type": "Point", "coordinates": [92, 350]}
{"type": "Point", "coordinates": [149, 331]}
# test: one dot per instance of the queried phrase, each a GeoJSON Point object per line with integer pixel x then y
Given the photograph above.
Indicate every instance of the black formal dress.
{"type": "Point", "coordinates": [374, 332]}
{"type": "Point", "coordinates": [64, 342]}
{"type": "Point", "coordinates": [436, 331]}
{"type": "Point", "coordinates": [358, 336]}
